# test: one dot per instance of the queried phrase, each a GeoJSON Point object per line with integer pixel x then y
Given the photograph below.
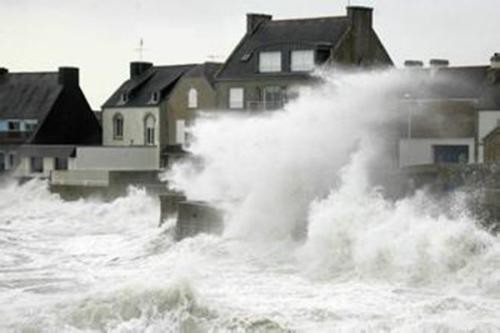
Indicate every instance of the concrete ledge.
{"type": "Point", "coordinates": [196, 217]}
{"type": "Point", "coordinates": [169, 205]}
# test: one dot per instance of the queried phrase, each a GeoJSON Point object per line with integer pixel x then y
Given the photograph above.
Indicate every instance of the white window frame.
{"type": "Point", "coordinates": [302, 60]}
{"type": "Point", "coordinates": [180, 132]}
{"type": "Point", "coordinates": [116, 135]}
{"type": "Point", "coordinates": [236, 98]}
{"type": "Point", "coordinates": [149, 130]}
{"type": "Point", "coordinates": [192, 98]}
{"type": "Point", "coordinates": [270, 62]}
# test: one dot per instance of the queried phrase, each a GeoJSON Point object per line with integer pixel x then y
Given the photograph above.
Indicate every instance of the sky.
{"type": "Point", "coordinates": [101, 37]}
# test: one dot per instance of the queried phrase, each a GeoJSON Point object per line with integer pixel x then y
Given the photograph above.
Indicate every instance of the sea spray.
{"type": "Point", "coordinates": [266, 169]}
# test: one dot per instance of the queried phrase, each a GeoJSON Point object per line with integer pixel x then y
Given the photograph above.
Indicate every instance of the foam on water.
{"type": "Point", "coordinates": [366, 263]}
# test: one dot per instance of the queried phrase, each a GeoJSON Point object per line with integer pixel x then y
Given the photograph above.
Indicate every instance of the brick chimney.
{"type": "Point", "coordinates": [139, 67]}
{"type": "Point", "coordinates": [254, 20]}
{"type": "Point", "coordinates": [69, 76]}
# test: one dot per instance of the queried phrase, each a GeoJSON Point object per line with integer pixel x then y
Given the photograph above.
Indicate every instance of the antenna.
{"type": "Point", "coordinates": [141, 49]}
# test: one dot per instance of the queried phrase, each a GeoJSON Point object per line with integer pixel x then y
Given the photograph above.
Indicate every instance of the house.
{"type": "Point", "coordinates": [439, 114]}
{"type": "Point", "coordinates": [144, 124]}
{"type": "Point", "coordinates": [274, 56]}
{"type": "Point", "coordinates": [41, 115]}
{"type": "Point", "coordinates": [153, 107]}
{"type": "Point", "coordinates": [447, 112]}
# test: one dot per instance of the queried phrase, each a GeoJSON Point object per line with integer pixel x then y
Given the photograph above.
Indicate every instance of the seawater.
{"type": "Point", "coordinates": [366, 263]}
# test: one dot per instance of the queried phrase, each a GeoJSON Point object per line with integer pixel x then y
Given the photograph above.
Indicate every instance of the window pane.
{"type": "Point", "coordinates": [236, 98]}
{"type": "Point", "coordinates": [302, 60]}
{"type": "Point", "coordinates": [180, 132]}
{"type": "Point", "coordinates": [192, 98]}
{"type": "Point", "coordinates": [269, 62]}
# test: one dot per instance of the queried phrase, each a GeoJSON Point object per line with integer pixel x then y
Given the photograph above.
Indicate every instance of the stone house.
{"type": "Point", "coordinates": [274, 56]}
{"type": "Point", "coordinates": [43, 115]}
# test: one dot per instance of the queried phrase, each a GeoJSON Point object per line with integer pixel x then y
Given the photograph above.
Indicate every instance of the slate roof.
{"type": "Point", "coordinates": [207, 70]}
{"type": "Point", "coordinates": [295, 33]}
{"type": "Point", "coordinates": [139, 90]}
{"type": "Point", "coordinates": [28, 95]}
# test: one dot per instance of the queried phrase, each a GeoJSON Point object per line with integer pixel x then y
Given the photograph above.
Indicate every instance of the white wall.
{"type": "Point", "coordinates": [419, 151]}
{"type": "Point", "coordinates": [488, 121]}
{"type": "Point", "coordinates": [115, 158]}
{"type": "Point", "coordinates": [24, 167]}
{"type": "Point", "coordinates": [133, 125]}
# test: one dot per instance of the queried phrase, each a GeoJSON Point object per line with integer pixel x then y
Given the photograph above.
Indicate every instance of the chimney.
{"type": "Point", "coordinates": [69, 76]}
{"type": "Point", "coordinates": [439, 63]}
{"type": "Point", "coordinates": [495, 61]}
{"type": "Point", "coordinates": [254, 20]}
{"type": "Point", "coordinates": [361, 24]}
{"type": "Point", "coordinates": [361, 17]}
{"type": "Point", "coordinates": [139, 67]}
{"type": "Point", "coordinates": [414, 64]}
{"type": "Point", "coordinates": [3, 71]}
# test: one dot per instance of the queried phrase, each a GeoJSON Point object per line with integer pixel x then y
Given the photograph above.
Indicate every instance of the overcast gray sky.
{"type": "Point", "coordinates": [100, 36]}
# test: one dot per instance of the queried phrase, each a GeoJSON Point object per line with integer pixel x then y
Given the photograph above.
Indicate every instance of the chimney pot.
{"type": "Point", "coordinates": [254, 20]}
{"type": "Point", "coordinates": [69, 76]}
{"type": "Point", "coordinates": [439, 63]}
{"type": "Point", "coordinates": [139, 67]}
{"type": "Point", "coordinates": [414, 64]}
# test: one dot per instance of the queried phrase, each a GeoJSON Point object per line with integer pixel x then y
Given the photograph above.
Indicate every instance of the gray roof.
{"type": "Point", "coordinates": [139, 90]}
{"type": "Point", "coordinates": [28, 95]}
{"type": "Point", "coordinates": [280, 34]}
{"type": "Point", "coordinates": [207, 70]}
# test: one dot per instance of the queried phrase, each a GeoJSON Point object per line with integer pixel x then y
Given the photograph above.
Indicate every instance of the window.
{"type": "Point", "coordinates": [192, 98]}
{"type": "Point", "coordinates": [155, 97]}
{"type": "Point", "coordinates": [274, 97]}
{"type": "Point", "coordinates": [149, 130]}
{"type": "Point", "coordinates": [14, 125]}
{"type": "Point", "coordinates": [61, 163]}
{"type": "Point", "coordinates": [180, 132]}
{"type": "Point", "coordinates": [269, 62]}
{"type": "Point", "coordinates": [30, 125]}
{"type": "Point", "coordinates": [36, 164]}
{"type": "Point", "coordinates": [302, 61]}
{"type": "Point", "coordinates": [2, 161]}
{"type": "Point", "coordinates": [123, 98]}
{"type": "Point", "coordinates": [236, 98]}
{"type": "Point", "coordinates": [12, 160]}
{"type": "Point", "coordinates": [451, 154]}
{"type": "Point", "coordinates": [118, 127]}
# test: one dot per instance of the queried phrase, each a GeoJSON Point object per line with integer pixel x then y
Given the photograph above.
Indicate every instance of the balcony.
{"type": "Point", "coordinates": [14, 137]}
{"type": "Point", "coordinates": [265, 105]}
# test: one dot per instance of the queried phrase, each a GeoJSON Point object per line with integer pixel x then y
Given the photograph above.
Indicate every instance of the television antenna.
{"type": "Point", "coordinates": [140, 50]}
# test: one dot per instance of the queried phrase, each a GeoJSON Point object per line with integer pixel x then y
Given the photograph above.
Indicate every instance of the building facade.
{"type": "Point", "coordinates": [38, 112]}
{"type": "Point", "coordinates": [276, 56]}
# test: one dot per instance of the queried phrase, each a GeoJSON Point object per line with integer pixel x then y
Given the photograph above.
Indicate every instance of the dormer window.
{"type": "Point", "coordinates": [124, 98]}
{"type": "Point", "coordinates": [192, 98]}
{"type": "Point", "coordinates": [302, 61]}
{"type": "Point", "coordinates": [155, 97]}
{"type": "Point", "coordinates": [270, 62]}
